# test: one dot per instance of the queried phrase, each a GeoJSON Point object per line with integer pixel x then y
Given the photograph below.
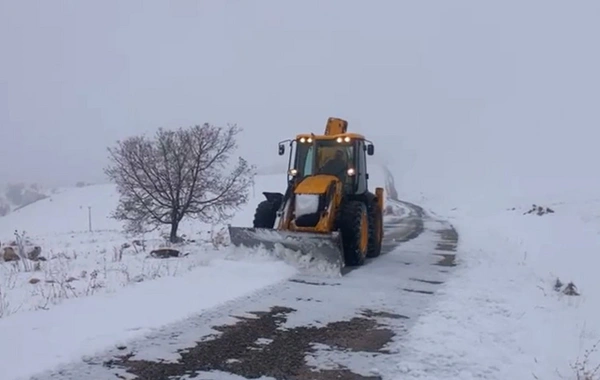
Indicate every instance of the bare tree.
{"type": "Point", "coordinates": [178, 173]}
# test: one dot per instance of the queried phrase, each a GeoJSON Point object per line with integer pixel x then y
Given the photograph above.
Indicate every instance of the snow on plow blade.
{"type": "Point", "coordinates": [322, 250]}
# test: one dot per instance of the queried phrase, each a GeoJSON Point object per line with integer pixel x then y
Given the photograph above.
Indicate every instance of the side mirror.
{"type": "Point", "coordinates": [370, 149]}
{"type": "Point", "coordinates": [281, 149]}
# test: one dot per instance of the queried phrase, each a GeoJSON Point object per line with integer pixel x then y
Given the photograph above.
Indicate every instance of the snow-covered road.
{"type": "Point", "coordinates": [345, 327]}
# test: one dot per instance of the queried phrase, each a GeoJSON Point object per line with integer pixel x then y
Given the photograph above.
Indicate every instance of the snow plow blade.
{"type": "Point", "coordinates": [317, 250]}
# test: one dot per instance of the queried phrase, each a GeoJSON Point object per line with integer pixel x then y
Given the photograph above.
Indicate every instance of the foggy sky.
{"type": "Point", "coordinates": [467, 91]}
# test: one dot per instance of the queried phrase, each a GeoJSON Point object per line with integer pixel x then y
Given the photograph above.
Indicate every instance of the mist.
{"type": "Point", "coordinates": [456, 95]}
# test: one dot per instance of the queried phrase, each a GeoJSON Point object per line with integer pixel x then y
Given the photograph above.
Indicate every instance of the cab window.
{"type": "Point", "coordinates": [308, 163]}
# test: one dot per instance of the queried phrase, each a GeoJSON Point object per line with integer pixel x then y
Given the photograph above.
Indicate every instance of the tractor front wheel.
{"type": "Point", "coordinates": [265, 215]}
{"type": "Point", "coordinates": [354, 228]}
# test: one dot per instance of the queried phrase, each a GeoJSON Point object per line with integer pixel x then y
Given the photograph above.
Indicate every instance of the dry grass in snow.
{"type": "Point", "coordinates": [82, 264]}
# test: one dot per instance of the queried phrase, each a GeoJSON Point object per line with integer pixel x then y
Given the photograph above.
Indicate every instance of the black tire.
{"type": "Point", "coordinates": [354, 228]}
{"type": "Point", "coordinates": [375, 230]}
{"type": "Point", "coordinates": [265, 215]}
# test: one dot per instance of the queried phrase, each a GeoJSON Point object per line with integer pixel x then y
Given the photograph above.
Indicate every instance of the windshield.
{"type": "Point", "coordinates": [324, 157]}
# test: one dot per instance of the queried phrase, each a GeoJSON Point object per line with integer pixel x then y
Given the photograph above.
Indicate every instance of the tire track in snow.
{"type": "Point", "coordinates": [304, 328]}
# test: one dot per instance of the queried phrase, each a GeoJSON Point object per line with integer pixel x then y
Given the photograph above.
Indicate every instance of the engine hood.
{"type": "Point", "coordinates": [316, 184]}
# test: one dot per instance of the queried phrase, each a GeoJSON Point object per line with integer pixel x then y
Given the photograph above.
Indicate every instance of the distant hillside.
{"type": "Point", "coordinates": [65, 211]}
{"type": "Point", "coordinates": [17, 195]}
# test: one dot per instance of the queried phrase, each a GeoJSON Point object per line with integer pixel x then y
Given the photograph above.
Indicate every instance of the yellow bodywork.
{"type": "Point", "coordinates": [318, 184]}
{"type": "Point", "coordinates": [335, 128]}
{"type": "Point", "coordinates": [315, 184]}
{"type": "Point", "coordinates": [330, 137]}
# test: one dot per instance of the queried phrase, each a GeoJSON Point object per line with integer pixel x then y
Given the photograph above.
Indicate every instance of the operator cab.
{"type": "Point", "coordinates": [342, 155]}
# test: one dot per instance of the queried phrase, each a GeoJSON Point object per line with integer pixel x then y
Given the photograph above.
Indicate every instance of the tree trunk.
{"type": "Point", "coordinates": [174, 227]}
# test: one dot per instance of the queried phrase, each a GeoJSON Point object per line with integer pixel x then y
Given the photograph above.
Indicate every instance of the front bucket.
{"type": "Point", "coordinates": [322, 248]}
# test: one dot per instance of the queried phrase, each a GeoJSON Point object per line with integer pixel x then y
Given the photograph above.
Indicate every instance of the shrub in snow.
{"type": "Point", "coordinates": [539, 210]}
{"type": "Point", "coordinates": [35, 253]}
{"type": "Point", "coordinates": [583, 369]}
{"type": "Point", "coordinates": [569, 290]}
{"type": "Point", "coordinates": [558, 285]}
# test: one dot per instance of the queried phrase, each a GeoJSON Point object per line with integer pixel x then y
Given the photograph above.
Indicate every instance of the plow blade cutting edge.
{"type": "Point", "coordinates": [322, 248]}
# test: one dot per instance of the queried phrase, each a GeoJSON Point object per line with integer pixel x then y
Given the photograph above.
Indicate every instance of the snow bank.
{"type": "Point", "coordinates": [85, 326]}
{"type": "Point", "coordinates": [500, 317]}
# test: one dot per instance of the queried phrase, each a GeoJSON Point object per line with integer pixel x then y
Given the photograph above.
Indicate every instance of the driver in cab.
{"type": "Point", "coordinates": [336, 166]}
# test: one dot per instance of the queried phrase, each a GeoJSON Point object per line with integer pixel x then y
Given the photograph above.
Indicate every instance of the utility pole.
{"type": "Point", "coordinates": [90, 218]}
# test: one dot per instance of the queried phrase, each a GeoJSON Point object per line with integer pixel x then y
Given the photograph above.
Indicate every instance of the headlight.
{"type": "Point", "coordinates": [339, 139]}
{"type": "Point", "coordinates": [293, 172]}
{"type": "Point", "coordinates": [302, 139]}
{"type": "Point", "coordinates": [347, 139]}
{"type": "Point", "coordinates": [351, 172]}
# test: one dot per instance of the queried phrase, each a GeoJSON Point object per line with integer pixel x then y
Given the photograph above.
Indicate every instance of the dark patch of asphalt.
{"type": "Point", "coordinates": [236, 349]}
{"type": "Point", "coordinates": [429, 292]}
{"type": "Point", "coordinates": [314, 283]}
{"type": "Point", "coordinates": [427, 281]}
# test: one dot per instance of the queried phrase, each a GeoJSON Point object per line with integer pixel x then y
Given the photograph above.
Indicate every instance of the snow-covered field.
{"type": "Point", "coordinates": [502, 316]}
{"type": "Point", "coordinates": [79, 262]}
{"type": "Point", "coordinates": [99, 288]}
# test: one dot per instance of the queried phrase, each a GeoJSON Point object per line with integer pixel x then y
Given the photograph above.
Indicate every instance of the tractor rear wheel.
{"type": "Point", "coordinates": [265, 215]}
{"type": "Point", "coordinates": [375, 230]}
{"type": "Point", "coordinates": [354, 228]}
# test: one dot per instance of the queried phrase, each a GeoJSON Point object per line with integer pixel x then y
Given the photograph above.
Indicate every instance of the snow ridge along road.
{"type": "Point", "coordinates": [305, 327]}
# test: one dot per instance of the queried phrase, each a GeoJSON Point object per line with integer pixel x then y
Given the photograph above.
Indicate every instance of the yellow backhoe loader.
{"type": "Point", "coordinates": [327, 211]}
